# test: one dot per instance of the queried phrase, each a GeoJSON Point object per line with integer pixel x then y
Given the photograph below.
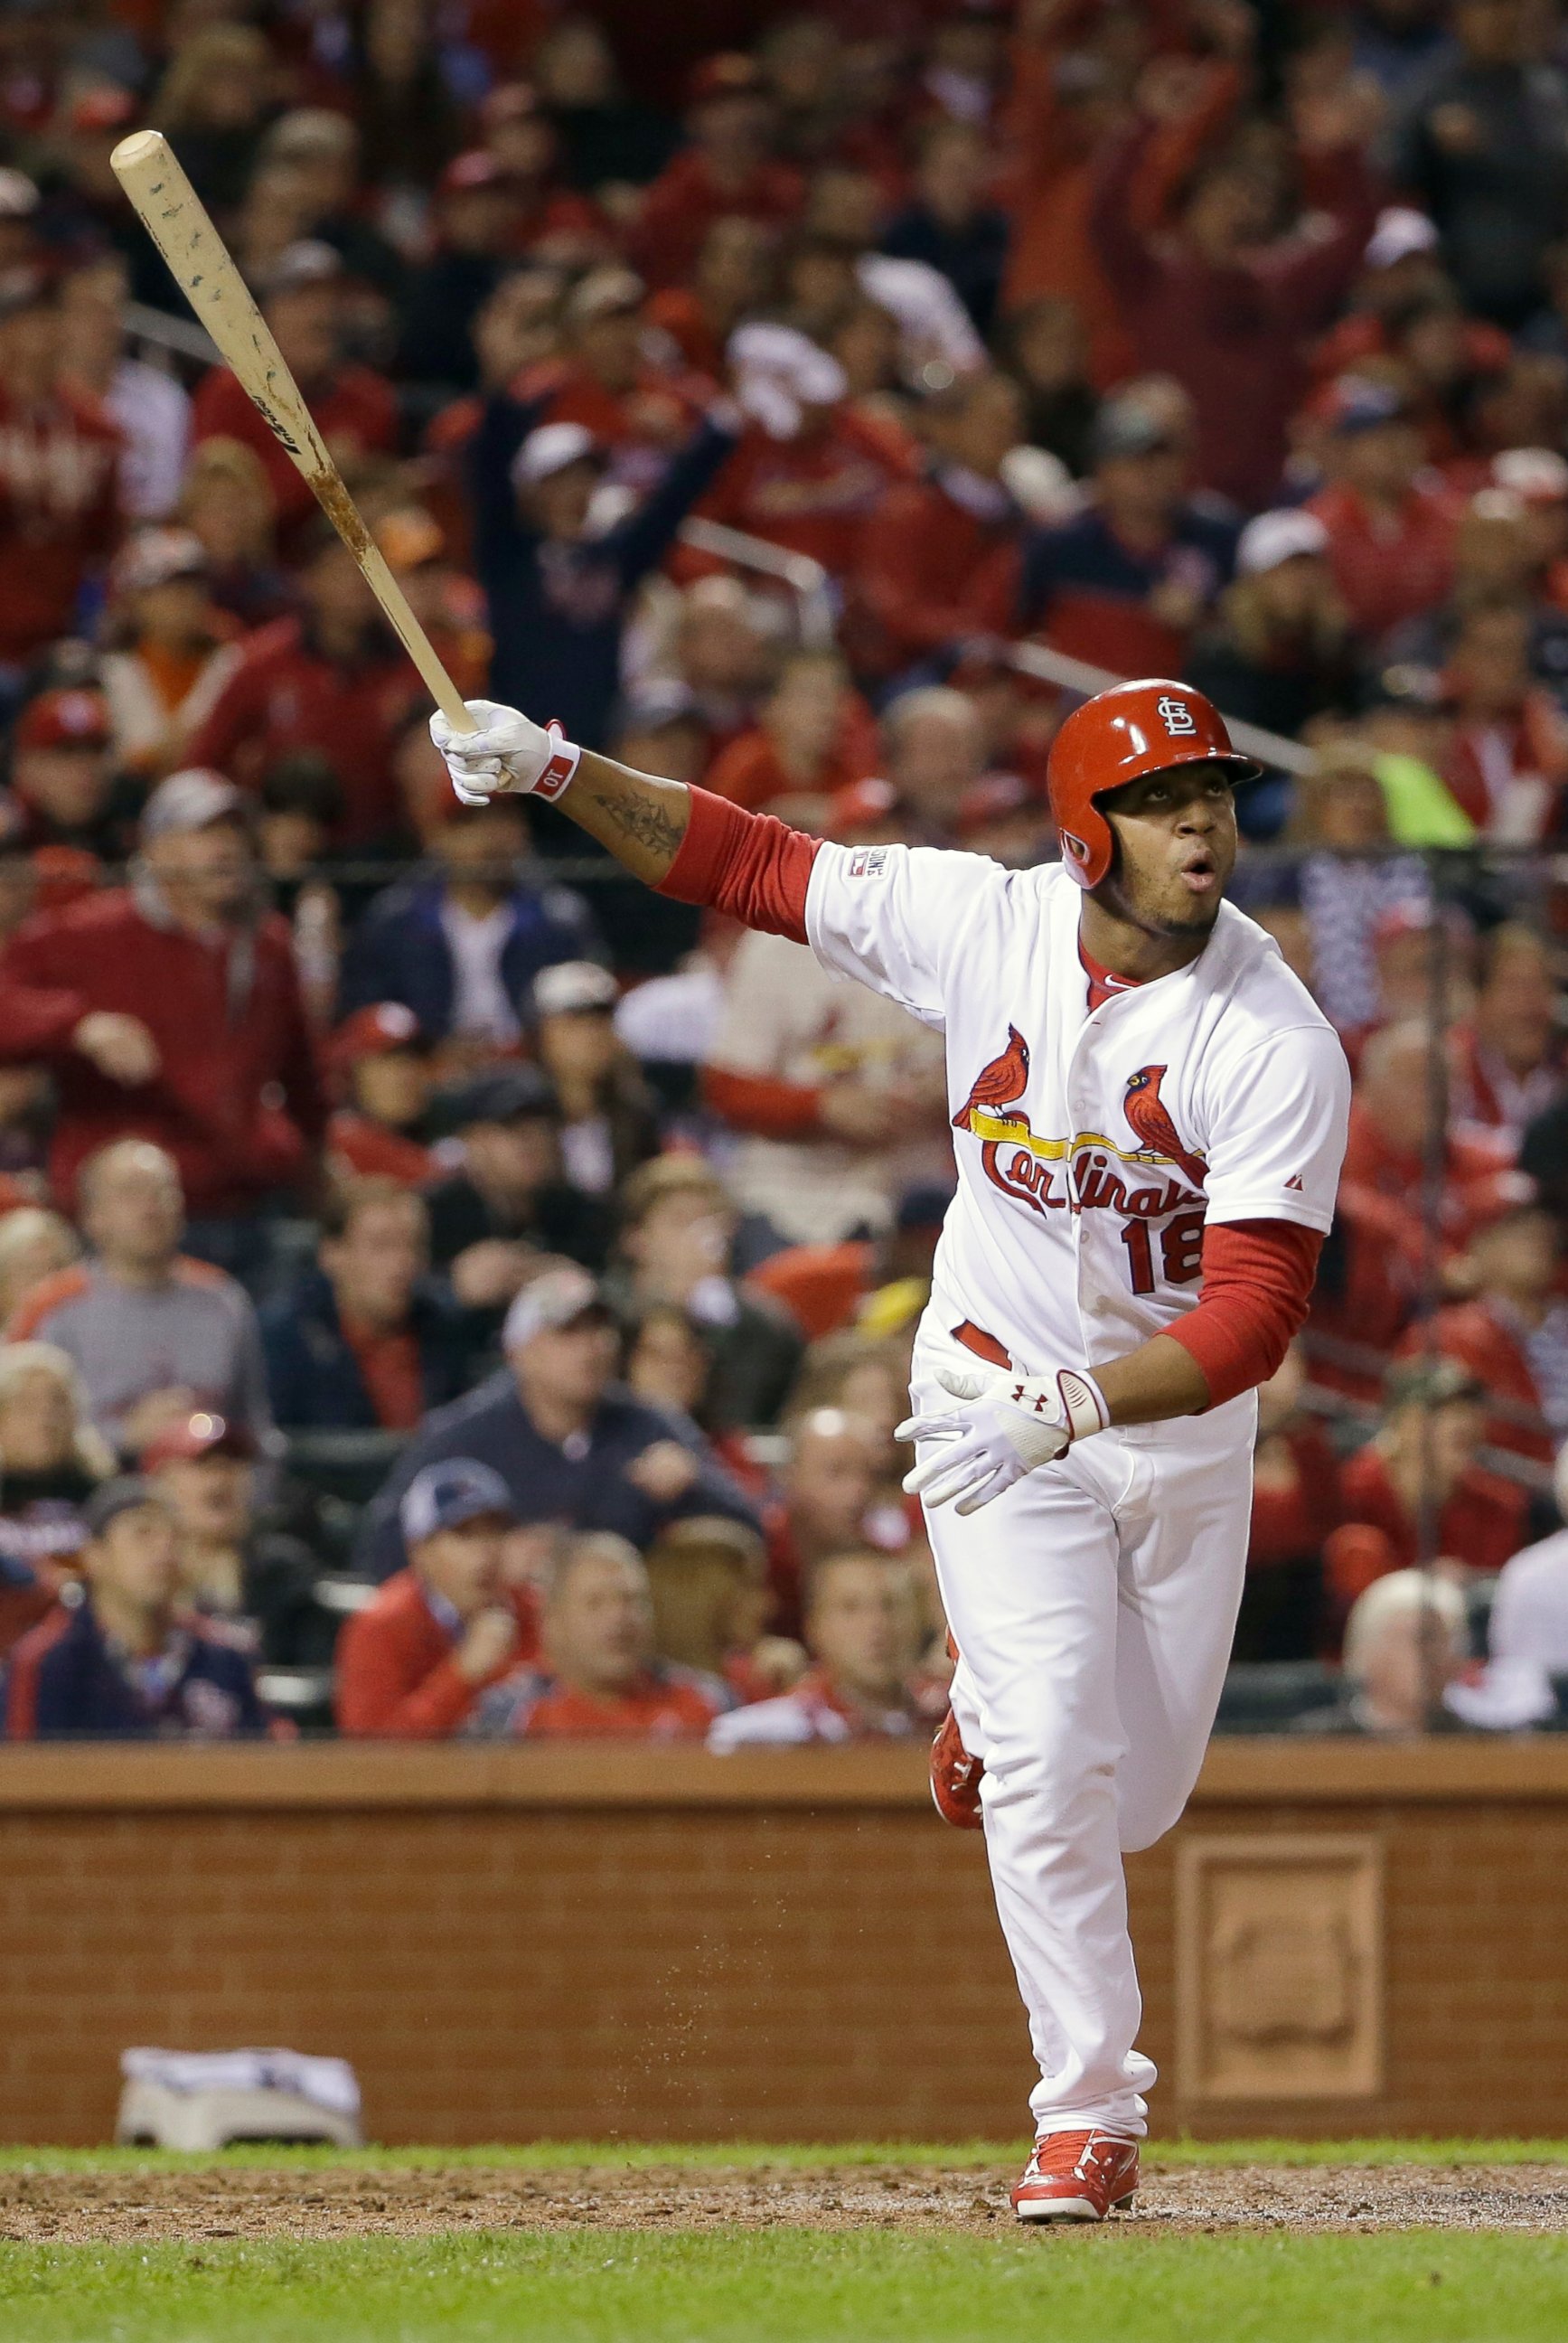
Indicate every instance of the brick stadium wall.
{"type": "Point", "coordinates": [653, 1945]}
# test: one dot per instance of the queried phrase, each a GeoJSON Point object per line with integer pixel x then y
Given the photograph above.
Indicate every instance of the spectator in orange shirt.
{"type": "Point", "coordinates": [814, 738]}
{"type": "Point", "coordinates": [939, 556]}
{"type": "Point", "coordinates": [172, 649]}
{"type": "Point", "coordinates": [727, 170]}
{"type": "Point", "coordinates": [863, 1634]}
{"type": "Point", "coordinates": [413, 1665]}
{"type": "Point", "coordinates": [599, 1676]}
{"type": "Point", "coordinates": [365, 1339]}
{"type": "Point", "coordinates": [380, 1058]}
{"type": "Point", "coordinates": [1390, 523]}
{"type": "Point", "coordinates": [354, 408]}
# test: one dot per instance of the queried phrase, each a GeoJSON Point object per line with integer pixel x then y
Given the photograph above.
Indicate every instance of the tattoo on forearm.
{"type": "Point", "coordinates": [643, 823]}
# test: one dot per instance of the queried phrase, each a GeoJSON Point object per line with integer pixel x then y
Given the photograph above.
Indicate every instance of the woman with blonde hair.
{"type": "Point", "coordinates": [51, 1461]}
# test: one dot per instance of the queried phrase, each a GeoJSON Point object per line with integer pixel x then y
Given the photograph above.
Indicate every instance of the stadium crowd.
{"type": "Point", "coordinates": [445, 1291]}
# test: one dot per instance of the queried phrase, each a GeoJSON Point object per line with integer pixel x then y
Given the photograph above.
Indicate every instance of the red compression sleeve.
{"type": "Point", "coordinates": [761, 1104]}
{"type": "Point", "coordinates": [748, 864]}
{"type": "Point", "coordinates": [1257, 1282]}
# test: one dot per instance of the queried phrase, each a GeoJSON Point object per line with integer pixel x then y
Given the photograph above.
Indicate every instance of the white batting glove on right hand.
{"type": "Point", "coordinates": [1007, 1426]}
{"type": "Point", "coordinates": [507, 756]}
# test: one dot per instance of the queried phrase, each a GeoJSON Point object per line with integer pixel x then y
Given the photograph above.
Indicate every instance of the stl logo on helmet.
{"type": "Point", "coordinates": [1177, 718]}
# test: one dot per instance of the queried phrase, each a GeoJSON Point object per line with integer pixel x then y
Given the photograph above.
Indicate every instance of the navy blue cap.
{"type": "Point", "coordinates": [446, 1495]}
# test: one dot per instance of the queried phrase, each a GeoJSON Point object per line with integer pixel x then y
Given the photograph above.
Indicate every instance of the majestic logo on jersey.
{"type": "Point", "coordinates": [1152, 1122]}
{"type": "Point", "coordinates": [1176, 716]}
{"type": "Point", "coordinates": [1087, 1171]}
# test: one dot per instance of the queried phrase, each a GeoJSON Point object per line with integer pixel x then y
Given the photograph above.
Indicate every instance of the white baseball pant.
{"type": "Point", "coordinates": [1093, 1606]}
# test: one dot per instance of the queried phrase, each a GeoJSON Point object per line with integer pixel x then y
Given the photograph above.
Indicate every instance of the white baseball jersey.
{"type": "Point", "coordinates": [1092, 1147]}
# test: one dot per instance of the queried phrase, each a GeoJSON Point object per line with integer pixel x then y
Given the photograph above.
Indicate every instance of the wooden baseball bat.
{"type": "Point", "coordinates": [176, 218]}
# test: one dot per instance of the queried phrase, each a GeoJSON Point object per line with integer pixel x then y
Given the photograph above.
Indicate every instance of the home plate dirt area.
{"type": "Point", "coordinates": [143, 2206]}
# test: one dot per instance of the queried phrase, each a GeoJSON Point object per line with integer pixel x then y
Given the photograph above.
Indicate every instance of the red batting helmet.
{"type": "Point", "coordinates": [1118, 737]}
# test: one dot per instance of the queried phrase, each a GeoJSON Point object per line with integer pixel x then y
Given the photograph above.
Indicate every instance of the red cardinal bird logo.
{"type": "Point", "coordinates": [1152, 1123]}
{"type": "Point", "coordinates": [999, 1084]}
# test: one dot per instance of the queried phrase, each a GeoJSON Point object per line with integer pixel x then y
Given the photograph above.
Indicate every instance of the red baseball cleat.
{"type": "Point", "coordinates": [956, 1777]}
{"type": "Point", "coordinates": [1077, 2175]}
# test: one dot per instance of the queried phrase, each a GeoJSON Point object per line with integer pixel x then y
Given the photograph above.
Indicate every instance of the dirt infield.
{"type": "Point", "coordinates": [132, 2207]}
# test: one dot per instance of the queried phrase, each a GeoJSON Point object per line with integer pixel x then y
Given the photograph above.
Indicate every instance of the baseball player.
{"type": "Point", "coordinates": [1149, 1114]}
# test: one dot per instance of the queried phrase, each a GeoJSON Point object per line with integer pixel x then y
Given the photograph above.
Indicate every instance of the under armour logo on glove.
{"type": "Point", "coordinates": [1008, 1426]}
{"type": "Point", "coordinates": [1176, 716]}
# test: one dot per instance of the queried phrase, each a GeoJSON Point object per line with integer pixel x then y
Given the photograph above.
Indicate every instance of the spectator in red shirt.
{"type": "Point", "coordinates": [815, 736]}
{"type": "Point", "coordinates": [59, 480]}
{"type": "Point", "coordinates": [229, 1084]}
{"type": "Point", "coordinates": [709, 1579]}
{"type": "Point", "coordinates": [827, 1492]}
{"type": "Point", "coordinates": [1295, 1505]}
{"type": "Point", "coordinates": [727, 170]}
{"type": "Point", "coordinates": [729, 283]}
{"type": "Point", "coordinates": [599, 1677]}
{"type": "Point", "coordinates": [1508, 1058]}
{"type": "Point", "coordinates": [63, 776]}
{"type": "Point", "coordinates": [354, 408]}
{"type": "Point", "coordinates": [547, 218]}
{"type": "Point", "coordinates": [414, 1664]}
{"type": "Point", "coordinates": [640, 411]}
{"type": "Point", "coordinates": [1227, 306]}
{"type": "Point", "coordinates": [333, 680]}
{"type": "Point", "coordinates": [1508, 758]}
{"type": "Point", "coordinates": [380, 1058]}
{"type": "Point", "coordinates": [863, 1634]}
{"type": "Point", "coordinates": [1390, 523]}
{"type": "Point", "coordinates": [1425, 1452]}
{"type": "Point", "coordinates": [1512, 1331]}
{"type": "Point", "coordinates": [939, 556]}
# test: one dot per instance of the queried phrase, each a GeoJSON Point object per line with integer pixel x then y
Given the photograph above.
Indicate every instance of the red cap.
{"type": "Point", "coordinates": [374, 1032]}
{"type": "Point", "coordinates": [729, 75]}
{"type": "Point", "coordinates": [464, 172]}
{"type": "Point", "coordinates": [1118, 737]}
{"type": "Point", "coordinates": [73, 719]}
{"type": "Point", "coordinates": [190, 1436]}
{"type": "Point", "coordinates": [106, 107]}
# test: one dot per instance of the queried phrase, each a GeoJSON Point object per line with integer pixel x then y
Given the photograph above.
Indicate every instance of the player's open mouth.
{"type": "Point", "coordinates": [1199, 875]}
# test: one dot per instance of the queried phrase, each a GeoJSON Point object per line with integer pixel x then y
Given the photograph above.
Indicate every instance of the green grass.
{"type": "Point", "coordinates": [797, 2286]}
{"type": "Point", "coordinates": [745, 2156]}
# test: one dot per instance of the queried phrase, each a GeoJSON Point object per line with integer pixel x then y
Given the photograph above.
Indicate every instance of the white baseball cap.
{"type": "Point", "coordinates": [1400, 231]}
{"type": "Point", "coordinates": [1537, 475]}
{"type": "Point", "coordinates": [550, 449]}
{"type": "Point", "coordinates": [1277, 537]}
{"type": "Point", "coordinates": [570, 986]}
{"type": "Point", "coordinates": [556, 1297]}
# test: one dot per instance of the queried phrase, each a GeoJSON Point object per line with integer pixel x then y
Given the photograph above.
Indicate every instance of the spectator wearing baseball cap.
{"type": "Point", "coordinates": [1281, 651]}
{"type": "Point", "coordinates": [380, 1060]}
{"type": "Point", "coordinates": [130, 1662]}
{"type": "Point", "coordinates": [728, 169]}
{"type": "Point", "coordinates": [174, 650]}
{"type": "Point", "coordinates": [599, 1676]}
{"type": "Point", "coordinates": [609, 1124]}
{"type": "Point", "coordinates": [354, 408]}
{"type": "Point", "coordinates": [616, 379]}
{"type": "Point", "coordinates": [461, 941]}
{"type": "Point", "coordinates": [478, 210]}
{"type": "Point", "coordinates": [1390, 523]}
{"type": "Point", "coordinates": [255, 1584]}
{"type": "Point", "coordinates": [570, 1444]}
{"type": "Point", "coordinates": [64, 775]}
{"type": "Point", "coordinates": [508, 1200]}
{"type": "Point", "coordinates": [367, 1338]}
{"type": "Point", "coordinates": [229, 1084]}
{"type": "Point", "coordinates": [451, 1623]}
{"type": "Point", "coordinates": [1126, 580]}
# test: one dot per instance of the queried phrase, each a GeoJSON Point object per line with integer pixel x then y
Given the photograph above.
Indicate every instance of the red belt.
{"type": "Point", "coordinates": [984, 1346]}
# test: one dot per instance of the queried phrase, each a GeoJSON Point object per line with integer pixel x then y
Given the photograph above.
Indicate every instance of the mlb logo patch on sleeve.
{"type": "Point", "coordinates": [867, 861]}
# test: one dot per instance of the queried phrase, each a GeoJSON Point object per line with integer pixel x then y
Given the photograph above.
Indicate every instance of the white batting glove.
{"type": "Point", "coordinates": [1007, 1426]}
{"type": "Point", "coordinates": [509, 756]}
